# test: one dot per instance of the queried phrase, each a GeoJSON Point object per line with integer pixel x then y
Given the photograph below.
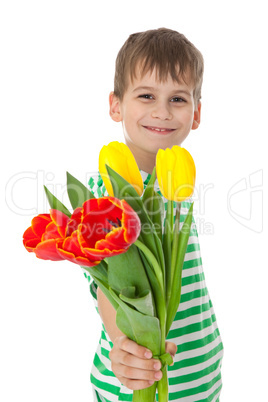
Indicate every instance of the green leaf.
{"type": "Point", "coordinates": [55, 203]}
{"type": "Point", "coordinates": [154, 205]}
{"type": "Point", "coordinates": [165, 359]}
{"type": "Point", "coordinates": [77, 192]}
{"type": "Point", "coordinates": [143, 302]}
{"type": "Point", "coordinates": [99, 275]}
{"type": "Point", "coordinates": [99, 271]}
{"type": "Point", "coordinates": [148, 194]}
{"type": "Point", "coordinates": [126, 270]}
{"type": "Point", "coordinates": [158, 215]}
{"type": "Point", "coordinates": [142, 329]}
{"type": "Point", "coordinates": [122, 188]}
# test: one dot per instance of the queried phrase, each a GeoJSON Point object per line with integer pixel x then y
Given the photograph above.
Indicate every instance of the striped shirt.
{"type": "Point", "coordinates": [196, 373]}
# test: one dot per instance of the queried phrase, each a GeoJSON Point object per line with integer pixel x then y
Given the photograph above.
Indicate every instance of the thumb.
{"type": "Point", "coordinates": [171, 348]}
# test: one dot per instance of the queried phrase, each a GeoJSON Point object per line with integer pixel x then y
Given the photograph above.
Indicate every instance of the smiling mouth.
{"type": "Point", "coordinates": [159, 129]}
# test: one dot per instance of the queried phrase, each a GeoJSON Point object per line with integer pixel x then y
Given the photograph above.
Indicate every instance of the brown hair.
{"type": "Point", "coordinates": [164, 49]}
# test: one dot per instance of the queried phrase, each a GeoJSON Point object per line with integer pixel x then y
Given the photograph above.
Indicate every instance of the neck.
{"type": "Point", "coordinates": [145, 160]}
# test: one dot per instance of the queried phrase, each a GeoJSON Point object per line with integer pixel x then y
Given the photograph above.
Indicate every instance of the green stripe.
{"type": "Point", "coordinates": [195, 294]}
{"type": "Point", "coordinates": [196, 262]}
{"type": "Point", "coordinates": [104, 385]}
{"type": "Point", "coordinates": [99, 192]}
{"type": "Point", "coordinates": [93, 290]}
{"type": "Point", "coordinates": [210, 398]}
{"type": "Point", "coordinates": [199, 343]}
{"type": "Point", "coordinates": [105, 353]}
{"type": "Point", "coordinates": [192, 361]}
{"type": "Point", "coordinates": [191, 328]}
{"type": "Point", "coordinates": [103, 336]}
{"type": "Point", "coordinates": [102, 368]}
{"type": "Point", "coordinates": [201, 308]}
{"type": "Point", "coordinates": [192, 247]}
{"type": "Point", "coordinates": [101, 398]}
{"type": "Point", "coordinates": [196, 390]}
{"type": "Point", "coordinates": [91, 183]}
{"type": "Point", "coordinates": [99, 181]}
{"type": "Point", "coordinates": [125, 397]}
{"type": "Point", "coordinates": [196, 375]}
{"type": "Point", "coordinates": [189, 280]}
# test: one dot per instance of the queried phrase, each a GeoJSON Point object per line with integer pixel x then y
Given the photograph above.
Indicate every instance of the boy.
{"type": "Point", "coordinates": [156, 96]}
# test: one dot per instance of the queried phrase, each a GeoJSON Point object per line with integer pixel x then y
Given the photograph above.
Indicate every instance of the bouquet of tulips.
{"type": "Point", "coordinates": [121, 240]}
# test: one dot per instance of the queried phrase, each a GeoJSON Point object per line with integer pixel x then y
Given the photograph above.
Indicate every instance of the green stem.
{"type": "Point", "coordinates": [162, 386]}
{"type": "Point", "coordinates": [145, 395]}
{"type": "Point", "coordinates": [178, 266]}
{"type": "Point", "coordinates": [150, 257]}
{"type": "Point", "coordinates": [174, 251]}
{"type": "Point", "coordinates": [175, 243]}
{"type": "Point", "coordinates": [167, 241]}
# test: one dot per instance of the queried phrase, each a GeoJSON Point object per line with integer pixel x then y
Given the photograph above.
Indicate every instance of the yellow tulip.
{"type": "Point", "coordinates": [175, 171]}
{"type": "Point", "coordinates": [118, 156]}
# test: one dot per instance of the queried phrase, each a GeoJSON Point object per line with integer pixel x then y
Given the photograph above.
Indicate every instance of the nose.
{"type": "Point", "coordinates": [161, 110]}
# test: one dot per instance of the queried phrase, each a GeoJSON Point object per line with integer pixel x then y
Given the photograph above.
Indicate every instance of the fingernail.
{"type": "Point", "coordinates": [157, 366]}
{"type": "Point", "coordinates": [158, 375]}
{"type": "Point", "coordinates": [151, 382]}
{"type": "Point", "coordinates": [148, 354]}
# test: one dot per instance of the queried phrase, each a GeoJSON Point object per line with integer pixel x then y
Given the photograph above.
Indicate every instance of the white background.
{"type": "Point", "coordinates": [57, 66]}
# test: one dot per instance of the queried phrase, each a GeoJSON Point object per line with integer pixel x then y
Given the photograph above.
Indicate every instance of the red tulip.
{"type": "Point", "coordinates": [42, 237]}
{"type": "Point", "coordinates": [101, 228]}
{"type": "Point", "coordinates": [108, 227]}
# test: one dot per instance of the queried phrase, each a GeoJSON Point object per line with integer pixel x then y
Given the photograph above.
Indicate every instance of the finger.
{"type": "Point", "coordinates": [127, 359]}
{"type": "Point", "coordinates": [133, 373]}
{"type": "Point", "coordinates": [132, 347]}
{"type": "Point", "coordinates": [171, 348]}
{"type": "Point", "coordinates": [135, 384]}
{"type": "Point", "coordinates": [130, 360]}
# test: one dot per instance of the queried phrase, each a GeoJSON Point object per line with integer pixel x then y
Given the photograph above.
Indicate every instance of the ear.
{"type": "Point", "coordinates": [197, 117]}
{"type": "Point", "coordinates": [114, 103]}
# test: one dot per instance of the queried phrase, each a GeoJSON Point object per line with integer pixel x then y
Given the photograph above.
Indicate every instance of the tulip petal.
{"type": "Point", "coordinates": [30, 240]}
{"type": "Point", "coordinates": [101, 254]}
{"type": "Point", "coordinates": [51, 232]}
{"type": "Point", "coordinates": [39, 224]}
{"type": "Point", "coordinates": [131, 223]}
{"type": "Point", "coordinates": [175, 173]}
{"type": "Point", "coordinates": [113, 240]}
{"type": "Point", "coordinates": [119, 157]}
{"type": "Point", "coordinates": [74, 221]}
{"type": "Point", "coordinates": [47, 250]}
{"type": "Point", "coordinates": [60, 219]}
{"type": "Point", "coordinates": [70, 250]}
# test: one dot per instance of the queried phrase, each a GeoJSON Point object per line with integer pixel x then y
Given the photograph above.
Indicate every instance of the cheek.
{"type": "Point", "coordinates": [132, 118]}
{"type": "Point", "coordinates": [188, 116]}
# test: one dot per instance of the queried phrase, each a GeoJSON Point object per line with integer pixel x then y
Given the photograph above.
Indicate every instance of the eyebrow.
{"type": "Point", "coordinates": [145, 88]}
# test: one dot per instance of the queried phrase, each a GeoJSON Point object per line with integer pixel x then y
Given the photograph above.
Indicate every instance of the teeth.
{"type": "Point", "coordinates": [158, 129]}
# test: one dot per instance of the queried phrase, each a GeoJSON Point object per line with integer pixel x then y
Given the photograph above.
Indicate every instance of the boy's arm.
{"type": "Point", "coordinates": [132, 364]}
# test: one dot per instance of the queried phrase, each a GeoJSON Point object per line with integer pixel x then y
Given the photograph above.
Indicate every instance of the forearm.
{"type": "Point", "coordinates": [108, 316]}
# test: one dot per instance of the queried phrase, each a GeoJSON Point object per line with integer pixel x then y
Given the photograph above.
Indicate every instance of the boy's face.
{"type": "Point", "coordinates": [155, 115]}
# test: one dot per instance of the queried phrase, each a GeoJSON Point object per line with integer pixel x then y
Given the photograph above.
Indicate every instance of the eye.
{"type": "Point", "coordinates": [145, 96]}
{"type": "Point", "coordinates": [177, 99]}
